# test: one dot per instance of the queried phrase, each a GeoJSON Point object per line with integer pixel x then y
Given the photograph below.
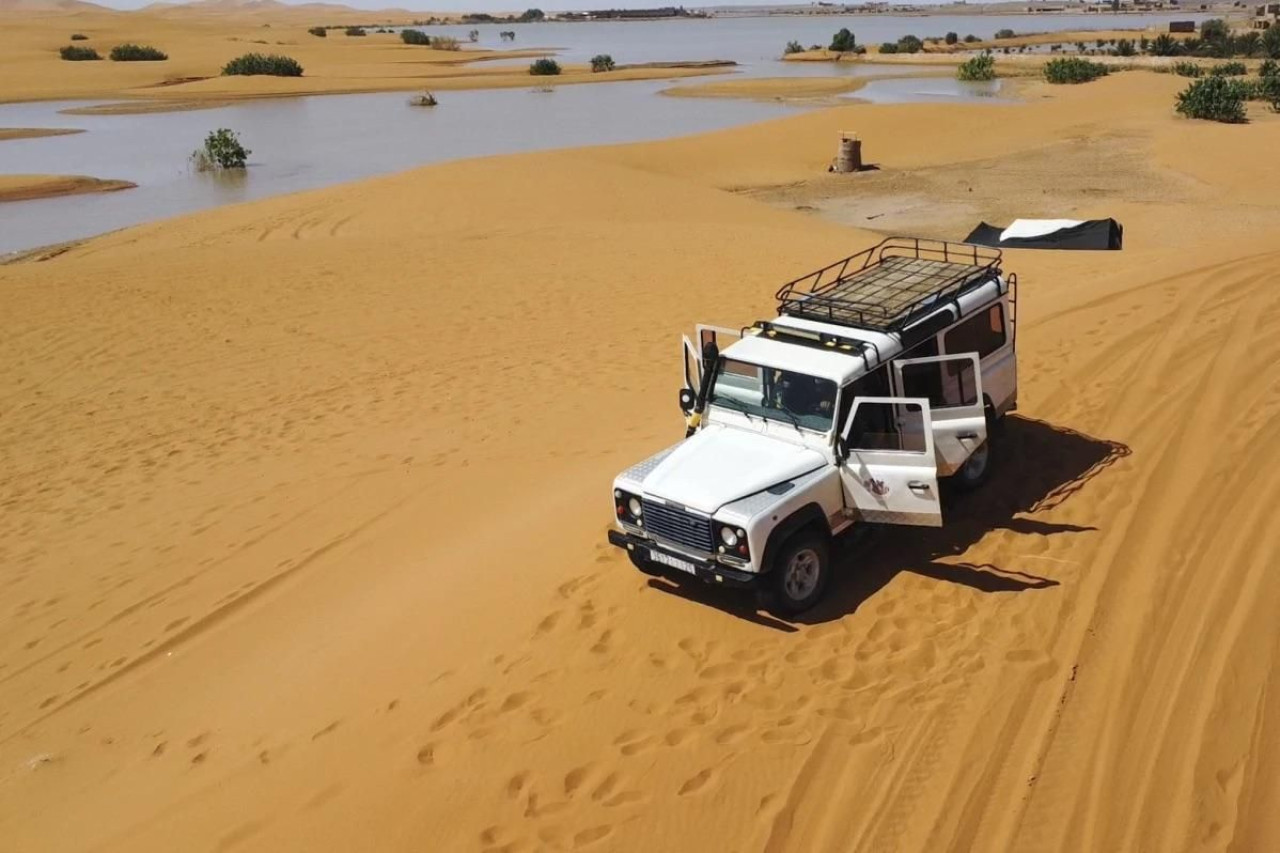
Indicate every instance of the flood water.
{"type": "Point", "coordinates": [303, 143]}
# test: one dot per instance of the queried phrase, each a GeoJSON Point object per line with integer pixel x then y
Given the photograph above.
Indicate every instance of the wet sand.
{"type": "Point", "coordinates": [35, 132]}
{"type": "Point", "coordinates": [305, 504]}
{"type": "Point", "coordinates": [26, 187]}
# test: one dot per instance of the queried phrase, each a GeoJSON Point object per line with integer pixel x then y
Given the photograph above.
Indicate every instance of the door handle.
{"type": "Point", "coordinates": [917, 486]}
{"type": "Point", "coordinates": [968, 436]}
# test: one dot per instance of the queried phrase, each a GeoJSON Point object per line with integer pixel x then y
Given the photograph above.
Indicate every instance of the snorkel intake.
{"type": "Point", "coordinates": [710, 355]}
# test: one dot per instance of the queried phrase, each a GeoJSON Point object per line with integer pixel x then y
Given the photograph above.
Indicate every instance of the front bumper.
{"type": "Point", "coordinates": [707, 571]}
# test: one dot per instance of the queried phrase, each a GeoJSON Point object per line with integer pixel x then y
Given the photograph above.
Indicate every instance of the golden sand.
{"type": "Point", "coordinates": [25, 187]}
{"type": "Point", "coordinates": [305, 504]}
{"type": "Point", "coordinates": [35, 132]}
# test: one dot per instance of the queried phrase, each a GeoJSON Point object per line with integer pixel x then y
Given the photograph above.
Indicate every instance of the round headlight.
{"type": "Point", "coordinates": [634, 506]}
{"type": "Point", "coordinates": [728, 536]}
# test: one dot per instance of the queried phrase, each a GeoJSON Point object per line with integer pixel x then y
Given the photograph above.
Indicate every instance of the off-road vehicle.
{"type": "Point", "coordinates": [882, 373]}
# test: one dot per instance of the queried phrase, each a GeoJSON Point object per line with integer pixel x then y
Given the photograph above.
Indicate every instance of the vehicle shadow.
{"type": "Point", "coordinates": [1037, 466]}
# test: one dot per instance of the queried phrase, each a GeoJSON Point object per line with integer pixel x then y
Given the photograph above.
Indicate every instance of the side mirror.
{"type": "Point", "coordinates": [687, 399]}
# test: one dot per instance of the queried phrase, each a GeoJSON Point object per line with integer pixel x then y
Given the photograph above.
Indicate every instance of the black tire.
{"type": "Point", "coordinates": [976, 469]}
{"type": "Point", "coordinates": [799, 575]}
{"type": "Point", "coordinates": [643, 564]}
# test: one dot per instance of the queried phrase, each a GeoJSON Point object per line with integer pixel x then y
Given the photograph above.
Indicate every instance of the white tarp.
{"type": "Point", "coordinates": [1022, 229]}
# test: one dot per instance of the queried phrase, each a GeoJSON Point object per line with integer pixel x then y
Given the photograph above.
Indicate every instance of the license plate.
{"type": "Point", "coordinates": [673, 562]}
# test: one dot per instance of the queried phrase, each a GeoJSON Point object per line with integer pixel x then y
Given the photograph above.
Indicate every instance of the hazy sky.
{"type": "Point", "coordinates": [495, 6]}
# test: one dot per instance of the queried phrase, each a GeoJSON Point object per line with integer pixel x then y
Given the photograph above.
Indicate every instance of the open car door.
{"type": "Point", "coordinates": [888, 473]}
{"type": "Point", "coordinates": [953, 386]}
{"type": "Point", "coordinates": [692, 365]}
{"type": "Point", "coordinates": [718, 335]}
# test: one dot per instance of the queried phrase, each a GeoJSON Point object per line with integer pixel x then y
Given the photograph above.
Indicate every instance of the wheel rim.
{"type": "Point", "coordinates": [802, 574]}
{"type": "Point", "coordinates": [977, 464]}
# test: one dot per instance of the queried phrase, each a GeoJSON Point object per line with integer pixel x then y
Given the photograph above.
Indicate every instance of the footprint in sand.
{"type": "Point", "coordinates": [696, 783]}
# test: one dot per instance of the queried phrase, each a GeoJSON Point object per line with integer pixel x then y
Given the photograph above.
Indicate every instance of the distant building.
{"type": "Point", "coordinates": [1266, 16]}
{"type": "Point", "coordinates": [1182, 26]}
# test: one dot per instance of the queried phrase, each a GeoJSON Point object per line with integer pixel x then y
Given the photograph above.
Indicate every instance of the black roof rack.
{"type": "Point", "coordinates": [885, 287]}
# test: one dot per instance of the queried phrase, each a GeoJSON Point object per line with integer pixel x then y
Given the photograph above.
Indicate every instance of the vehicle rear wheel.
{"type": "Point", "coordinates": [976, 468]}
{"type": "Point", "coordinates": [640, 560]}
{"type": "Point", "coordinates": [799, 576]}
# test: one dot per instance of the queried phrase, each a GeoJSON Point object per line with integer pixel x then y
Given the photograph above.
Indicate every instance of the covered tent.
{"type": "Point", "coordinates": [1050, 234]}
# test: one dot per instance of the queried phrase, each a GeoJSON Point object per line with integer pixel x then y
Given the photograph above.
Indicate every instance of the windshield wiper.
{"type": "Point", "coordinates": [737, 405]}
{"type": "Point", "coordinates": [795, 419]}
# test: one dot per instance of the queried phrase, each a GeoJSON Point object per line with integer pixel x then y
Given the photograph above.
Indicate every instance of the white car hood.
{"type": "Point", "coordinates": [717, 466]}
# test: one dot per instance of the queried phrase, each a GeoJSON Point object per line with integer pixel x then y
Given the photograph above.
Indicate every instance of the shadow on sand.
{"type": "Point", "coordinates": [1037, 467]}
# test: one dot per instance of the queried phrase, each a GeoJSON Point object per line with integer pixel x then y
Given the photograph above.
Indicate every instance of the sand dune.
{"type": "Point", "coordinates": [26, 187]}
{"type": "Point", "coordinates": [35, 132]}
{"type": "Point", "coordinates": [304, 507]}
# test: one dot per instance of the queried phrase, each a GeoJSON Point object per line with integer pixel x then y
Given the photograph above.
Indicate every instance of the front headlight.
{"type": "Point", "coordinates": [635, 507]}
{"type": "Point", "coordinates": [728, 536]}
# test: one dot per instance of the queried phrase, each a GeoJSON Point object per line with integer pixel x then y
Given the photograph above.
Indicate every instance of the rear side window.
{"type": "Point", "coordinates": [888, 426]}
{"type": "Point", "coordinates": [982, 333]}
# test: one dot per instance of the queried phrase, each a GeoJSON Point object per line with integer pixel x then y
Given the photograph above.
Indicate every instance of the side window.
{"type": "Point", "coordinates": [873, 384]}
{"type": "Point", "coordinates": [982, 333]}
{"type": "Point", "coordinates": [945, 384]}
{"type": "Point", "coordinates": [876, 427]}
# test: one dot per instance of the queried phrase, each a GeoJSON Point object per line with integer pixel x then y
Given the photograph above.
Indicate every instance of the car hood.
{"type": "Point", "coordinates": [717, 466]}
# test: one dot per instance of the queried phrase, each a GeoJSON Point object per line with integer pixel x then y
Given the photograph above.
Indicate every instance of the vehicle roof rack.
{"type": "Point", "coordinates": [887, 286]}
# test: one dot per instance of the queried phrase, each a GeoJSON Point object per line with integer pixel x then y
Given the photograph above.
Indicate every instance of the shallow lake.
{"type": "Point", "coordinates": [303, 143]}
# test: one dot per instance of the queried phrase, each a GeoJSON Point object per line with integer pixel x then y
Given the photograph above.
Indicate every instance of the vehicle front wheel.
{"type": "Point", "coordinates": [641, 561]}
{"type": "Point", "coordinates": [799, 576]}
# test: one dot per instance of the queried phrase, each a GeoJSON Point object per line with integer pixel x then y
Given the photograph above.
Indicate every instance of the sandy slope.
{"type": "Point", "coordinates": [25, 187]}
{"type": "Point", "coordinates": [200, 43]}
{"type": "Point", "coordinates": [35, 132]}
{"type": "Point", "coordinates": [304, 510]}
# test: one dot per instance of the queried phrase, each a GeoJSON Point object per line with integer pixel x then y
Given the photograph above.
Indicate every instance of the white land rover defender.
{"type": "Point", "coordinates": [882, 373]}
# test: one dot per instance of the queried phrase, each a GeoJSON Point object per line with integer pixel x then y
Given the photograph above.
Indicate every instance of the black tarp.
{"type": "Point", "coordinates": [1093, 234]}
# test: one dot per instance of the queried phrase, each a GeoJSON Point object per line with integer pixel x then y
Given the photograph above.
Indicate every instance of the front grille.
{"type": "Point", "coordinates": [679, 526]}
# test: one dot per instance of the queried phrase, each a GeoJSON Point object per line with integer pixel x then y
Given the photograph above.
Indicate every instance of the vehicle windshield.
{"type": "Point", "coordinates": [777, 395]}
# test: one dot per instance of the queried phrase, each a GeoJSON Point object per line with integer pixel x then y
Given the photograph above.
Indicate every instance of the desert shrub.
{"type": "Point", "coordinates": [1268, 89]}
{"type": "Point", "coordinates": [1214, 29]}
{"type": "Point", "coordinates": [1268, 68]}
{"type": "Point", "coordinates": [415, 37]}
{"type": "Point", "coordinates": [1144, 44]}
{"type": "Point", "coordinates": [971, 38]}
{"type": "Point", "coordinates": [1164, 45]}
{"type": "Point", "coordinates": [982, 67]}
{"type": "Point", "coordinates": [137, 53]}
{"type": "Point", "coordinates": [319, 32]}
{"type": "Point", "coordinates": [1270, 42]}
{"type": "Point", "coordinates": [951, 38]}
{"type": "Point", "coordinates": [1073, 69]}
{"type": "Point", "coordinates": [426, 99]}
{"type": "Point", "coordinates": [544, 67]}
{"type": "Point", "coordinates": [79, 37]}
{"type": "Point", "coordinates": [1124, 47]}
{"type": "Point", "coordinates": [889, 47]}
{"type": "Point", "coordinates": [473, 36]}
{"type": "Point", "coordinates": [1213, 99]}
{"type": "Point", "coordinates": [221, 150]}
{"type": "Point", "coordinates": [602, 62]}
{"type": "Point", "coordinates": [78, 54]}
{"type": "Point", "coordinates": [1229, 69]}
{"type": "Point", "coordinates": [261, 63]}
{"type": "Point", "coordinates": [355, 31]}
{"type": "Point", "coordinates": [843, 41]}
{"type": "Point", "coordinates": [792, 47]}
{"type": "Point", "coordinates": [1186, 69]}
{"type": "Point", "coordinates": [910, 44]}
{"type": "Point", "coordinates": [445, 43]}
{"type": "Point", "coordinates": [1005, 34]}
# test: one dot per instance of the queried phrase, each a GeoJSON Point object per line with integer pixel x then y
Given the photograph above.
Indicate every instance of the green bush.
{"type": "Point", "coordinates": [1124, 47]}
{"type": "Point", "coordinates": [1073, 69]}
{"type": "Point", "coordinates": [415, 37]}
{"type": "Point", "coordinates": [792, 47]}
{"type": "Point", "coordinates": [78, 54]}
{"type": "Point", "coordinates": [1268, 68]}
{"type": "Point", "coordinates": [971, 38]}
{"type": "Point", "coordinates": [602, 62]}
{"type": "Point", "coordinates": [319, 32]}
{"type": "Point", "coordinates": [221, 150]}
{"type": "Point", "coordinates": [1268, 89]}
{"type": "Point", "coordinates": [137, 53]}
{"type": "Point", "coordinates": [843, 41]}
{"type": "Point", "coordinates": [1164, 45]}
{"type": "Point", "coordinates": [1214, 29]}
{"type": "Point", "coordinates": [1229, 69]}
{"type": "Point", "coordinates": [1005, 34]}
{"type": "Point", "coordinates": [951, 38]}
{"type": "Point", "coordinates": [982, 67]}
{"type": "Point", "coordinates": [1213, 99]}
{"type": "Point", "coordinates": [1271, 42]}
{"type": "Point", "coordinates": [79, 37]}
{"type": "Point", "coordinates": [355, 31]}
{"type": "Point", "coordinates": [910, 44]}
{"type": "Point", "coordinates": [258, 63]}
{"type": "Point", "coordinates": [544, 67]}
{"type": "Point", "coordinates": [1186, 69]}
{"type": "Point", "coordinates": [889, 47]}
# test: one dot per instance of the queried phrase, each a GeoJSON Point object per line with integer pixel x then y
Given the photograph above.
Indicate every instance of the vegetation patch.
{"type": "Point", "coordinates": [355, 31]}
{"type": "Point", "coordinates": [445, 43]}
{"type": "Point", "coordinates": [1213, 98]}
{"type": "Point", "coordinates": [792, 47]}
{"type": "Point", "coordinates": [137, 53]}
{"type": "Point", "coordinates": [1186, 69]}
{"type": "Point", "coordinates": [415, 37]}
{"type": "Point", "coordinates": [1229, 69]}
{"type": "Point", "coordinates": [844, 41]}
{"type": "Point", "coordinates": [1073, 69]}
{"type": "Point", "coordinates": [221, 150]}
{"type": "Point", "coordinates": [319, 32]}
{"type": "Point", "coordinates": [79, 37]}
{"type": "Point", "coordinates": [602, 62]}
{"type": "Point", "coordinates": [71, 53]}
{"type": "Point", "coordinates": [544, 67]}
{"type": "Point", "coordinates": [253, 64]}
{"type": "Point", "coordinates": [979, 68]}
